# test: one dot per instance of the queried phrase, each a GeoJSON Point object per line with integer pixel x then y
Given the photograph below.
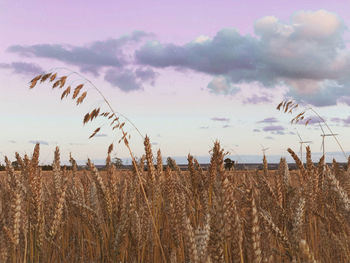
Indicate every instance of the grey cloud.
{"type": "Point", "coordinates": [22, 68]}
{"type": "Point", "coordinates": [89, 58]}
{"type": "Point", "coordinates": [345, 121]}
{"type": "Point", "coordinates": [278, 132]}
{"type": "Point", "coordinates": [336, 119]}
{"type": "Point", "coordinates": [129, 80]}
{"type": "Point", "coordinates": [222, 85]}
{"type": "Point", "coordinates": [269, 138]}
{"type": "Point", "coordinates": [269, 120]}
{"type": "Point", "coordinates": [274, 128]}
{"type": "Point", "coordinates": [146, 74]}
{"type": "Point", "coordinates": [39, 141]}
{"type": "Point", "coordinates": [256, 130]}
{"type": "Point", "coordinates": [226, 126]}
{"type": "Point", "coordinates": [204, 127]}
{"type": "Point", "coordinates": [311, 121]}
{"type": "Point", "coordinates": [12, 141]}
{"type": "Point", "coordinates": [345, 100]}
{"type": "Point", "coordinates": [220, 119]}
{"type": "Point", "coordinates": [257, 99]}
{"type": "Point", "coordinates": [308, 54]}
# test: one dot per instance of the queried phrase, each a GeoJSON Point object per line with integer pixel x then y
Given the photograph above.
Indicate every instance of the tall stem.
{"type": "Point", "coordinates": [131, 155]}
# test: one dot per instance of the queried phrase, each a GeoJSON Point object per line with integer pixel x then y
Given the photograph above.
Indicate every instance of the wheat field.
{"type": "Point", "coordinates": [159, 213]}
{"type": "Point", "coordinates": [71, 215]}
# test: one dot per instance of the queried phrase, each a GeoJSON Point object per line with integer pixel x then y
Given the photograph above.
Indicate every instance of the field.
{"type": "Point", "coordinates": [168, 215]}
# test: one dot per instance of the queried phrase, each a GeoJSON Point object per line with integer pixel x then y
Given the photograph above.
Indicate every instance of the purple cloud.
{"type": "Point", "coordinates": [345, 121]}
{"type": "Point", "coordinates": [311, 121]}
{"type": "Point", "coordinates": [89, 58]}
{"type": "Point", "coordinates": [129, 80]}
{"type": "Point", "coordinates": [314, 64]}
{"type": "Point", "coordinates": [22, 68]}
{"type": "Point", "coordinates": [278, 132]}
{"type": "Point", "coordinates": [274, 128]}
{"type": "Point", "coordinates": [268, 120]}
{"type": "Point", "coordinates": [220, 119]}
{"type": "Point", "coordinates": [256, 99]}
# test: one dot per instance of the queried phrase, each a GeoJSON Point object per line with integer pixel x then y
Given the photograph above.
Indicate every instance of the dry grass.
{"type": "Point", "coordinates": [199, 216]}
{"type": "Point", "coordinates": [169, 215]}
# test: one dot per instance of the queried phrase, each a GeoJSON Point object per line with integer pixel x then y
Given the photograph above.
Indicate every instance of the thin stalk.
{"type": "Point", "coordinates": [131, 155]}
{"type": "Point", "coordinates": [325, 123]}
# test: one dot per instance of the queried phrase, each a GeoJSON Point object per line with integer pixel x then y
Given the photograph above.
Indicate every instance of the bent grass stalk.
{"type": "Point", "coordinates": [289, 106]}
{"type": "Point", "coordinates": [61, 82]}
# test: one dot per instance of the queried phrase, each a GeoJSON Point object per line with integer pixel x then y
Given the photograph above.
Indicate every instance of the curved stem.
{"type": "Point", "coordinates": [325, 123]}
{"type": "Point", "coordinates": [103, 97]}
{"type": "Point", "coordinates": [131, 155]}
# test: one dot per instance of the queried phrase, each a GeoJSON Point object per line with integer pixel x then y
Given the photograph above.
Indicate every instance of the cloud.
{"type": "Point", "coordinates": [274, 128]}
{"type": "Point", "coordinates": [226, 126]}
{"type": "Point", "coordinates": [22, 68]}
{"type": "Point", "coordinates": [311, 121]}
{"type": "Point", "coordinates": [256, 99]}
{"type": "Point", "coordinates": [256, 130]}
{"type": "Point", "coordinates": [222, 85]}
{"type": "Point", "coordinates": [12, 141]}
{"type": "Point", "coordinates": [268, 120]}
{"type": "Point", "coordinates": [220, 119]}
{"type": "Point", "coordinates": [269, 138]}
{"type": "Point", "coordinates": [89, 58]}
{"type": "Point", "coordinates": [204, 127]}
{"type": "Point", "coordinates": [345, 121]}
{"type": "Point", "coordinates": [308, 54]}
{"type": "Point", "coordinates": [129, 80]}
{"type": "Point", "coordinates": [39, 141]}
{"type": "Point", "coordinates": [278, 132]}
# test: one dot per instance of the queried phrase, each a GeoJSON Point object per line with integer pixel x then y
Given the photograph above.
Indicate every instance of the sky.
{"type": "Point", "coordinates": [185, 73]}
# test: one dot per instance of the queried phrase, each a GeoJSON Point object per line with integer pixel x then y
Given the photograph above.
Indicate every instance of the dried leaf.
{"type": "Point", "coordinates": [34, 81]}
{"type": "Point", "coordinates": [81, 98]}
{"type": "Point", "coordinates": [94, 113]}
{"type": "Point", "coordinates": [53, 77]}
{"type": "Point", "coordinates": [56, 84]}
{"type": "Point", "coordinates": [77, 90]}
{"type": "Point", "coordinates": [279, 106]}
{"type": "Point", "coordinates": [65, 93]}
{"type": "Point", "coordinates": [86, 118]}
{"type": "Point", "coordinates": [110, 148]}
{"type": "Point", "coordinates": [63, 81]}
{"type": "Point", "coordinates": [94, 133]}
{"type": "Point", "coordinates": [287, 105]}
{"type": "Point", "coordinates": [45, 77]}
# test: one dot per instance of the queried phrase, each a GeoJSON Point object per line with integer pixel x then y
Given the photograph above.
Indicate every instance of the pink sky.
{"type": "Point", "coordinates": [180, 94]}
